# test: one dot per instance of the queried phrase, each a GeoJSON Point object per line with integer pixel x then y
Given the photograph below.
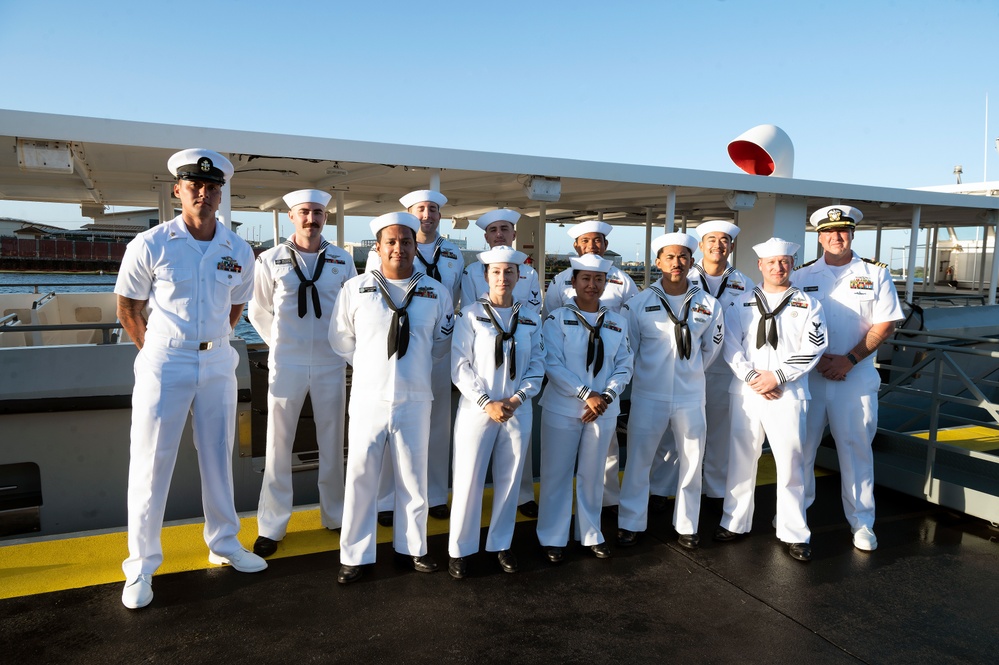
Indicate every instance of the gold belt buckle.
{"type": "Point", "coordinates": [205, 346]}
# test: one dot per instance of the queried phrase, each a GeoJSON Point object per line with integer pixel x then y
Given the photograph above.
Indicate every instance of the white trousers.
{"type": "Point", "coordinates": [782, 422]}
{"type": "Point", "coordinates": [716, 444]}
{"type": "Point", "coordinates": [170, 383]}
{"type": "Point", "coordinates": [525, 490]}
{"type": "Point", "coordinates": [288, 386]}
{"type": "Point", "coordinates": [568, 442]}
{"type": "Point", "coordinates": [852, 417]}
{"type": "Point", "coordinates": [612, 468]}
{"type": "Point", "coordinates": [647, 422]}
{"type": "Point", "coordinates": [477, 438]}
{"type": "Point", "coordinates": [401, 429]}
{"type": "Point", "coordinates": [439, 441]}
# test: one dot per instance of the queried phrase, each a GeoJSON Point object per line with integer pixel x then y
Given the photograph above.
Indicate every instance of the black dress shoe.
{"type": "Point", "coordinates": [723, 535]}
{"type": "Point", "coordinates": [424, 564]}
{"type": "Point", "coordinates": [689, 540]}
{"type": "Point", "coordinates": [264, 546]}
{"type": "Point", "coordinates": [626, 538]}
{"type": "Point", "coordinates": [457, 567]}
{"type": "Point", "coordinates": [600, 550]}
{"type": "Point", "coordinates": [348, 574]}
{"type": "Point", "coordinates": [529, 509]}
{"type": "Point", "coordinates": [385, 517]}
{"type": "Point", "coordinates": [441, 512]}
{"type": "Point", "coordinates": [800, 551]}
{"type": "Point", "coordinates": [658, 504]}
{"type": "Point", "coordinates": [507, 561]}
{"type": "Point", "coordinates": [554, 554]}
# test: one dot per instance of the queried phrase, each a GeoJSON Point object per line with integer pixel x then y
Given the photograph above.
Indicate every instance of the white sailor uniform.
{"type": "Point", "coordinates": [726, 288]}
{"type": "Point", "coordinates": [566, 441]}
{"type": "Point", "coordinates": [799, 326]}
{"type": "Point", "coordinates": [668, 392]}
{"type": "Point", "coordinates": [186, 365]}
{"type": "Point", "coordinates": [528, 293]}
{"type": "Point", "coordinates": [475, 353]}
{"type": "Point", "coordinates": [854, 297]}
{"type": "Point", "coordinates": [441, 257]}
{"type": "Point", "coordinates": [293, 298]}
{"type": "Point", "coordinates": [389, 402]}
{"type": "Point", "coordinates": [620, 288]}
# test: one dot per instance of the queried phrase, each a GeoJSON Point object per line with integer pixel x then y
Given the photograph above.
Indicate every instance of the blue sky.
{"type": "Point", "coordinates": [880, 92]}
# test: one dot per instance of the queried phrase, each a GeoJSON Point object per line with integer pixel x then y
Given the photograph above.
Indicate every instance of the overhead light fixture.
{"type": "Point", "coordinates": [541, 188]}
{"type": "Point", "coordinates": [44, 156]}
{"type": "Point", "coordinates": [740, 200]}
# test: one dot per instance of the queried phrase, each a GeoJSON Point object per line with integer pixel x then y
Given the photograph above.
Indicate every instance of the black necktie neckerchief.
{"type": "Point", "coordinates": [431, 267]}
{"type": "Point", "coordinates": [763, 336]}
{"type": "Point", "coordinates": [681, 331]}
{"type": "Point", "coordinates": [502, 336]}
{"type": "Point", "coordinates": [721, 287]}
{"type": "Point", "coordinates": [398, 334]}
{"type": "Point", "coordinates": [303, 288]}
{"type": "Point", "coordinates": [595, 345]}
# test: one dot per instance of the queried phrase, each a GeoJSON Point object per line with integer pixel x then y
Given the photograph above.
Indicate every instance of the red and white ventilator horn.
{"type": "Point", "coordinates": [763, 150]}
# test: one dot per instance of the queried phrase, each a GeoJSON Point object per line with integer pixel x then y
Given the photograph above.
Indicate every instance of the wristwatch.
{"type": "Point", "coordinates": [852, 358]}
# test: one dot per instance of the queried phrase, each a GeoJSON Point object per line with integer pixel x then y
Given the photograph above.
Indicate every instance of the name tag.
{"type": "Point", "coordinates": [810, 289]}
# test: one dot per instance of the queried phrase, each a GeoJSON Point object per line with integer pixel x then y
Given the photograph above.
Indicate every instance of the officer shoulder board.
{"type": "Point", "coordinates": [805, 265]}
{"type": "Point", "coordinates": [875, 263]}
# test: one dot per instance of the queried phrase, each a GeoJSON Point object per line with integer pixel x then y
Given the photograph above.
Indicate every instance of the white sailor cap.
{"type": "Point", "coordinates": [300, 196]}
{"type": "Point", "coordinates": [592, 226]}
{"type": "Point", "coordinates": [502, 254]}
{"type": "Point", "coordinates": [836, 216]}
{"type": "Point", "coordinates": [501, 215]}
{"type": "Point", "coordinates": [200, 164]}
{"type": "Point", "coordinates": [776, 247]}
{"type": "Point", "coordinates": [590, 262]}
{"type": "Point", "coordinates": [420, 195]}
{"type": "Point", "coordinates": [667, 239]}
{"type": "Point", "coordinates": [717, 226]}
{"type": "Point", "coordinates": [394, 219]}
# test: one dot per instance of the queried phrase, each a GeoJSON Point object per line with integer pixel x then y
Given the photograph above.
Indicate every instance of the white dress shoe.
{"type": "Point", "coordinates": [138, 593]}
{"type": "Point", "coordinates": [242, 560]}
{"type": "Point", "coordinates": [864, 539]}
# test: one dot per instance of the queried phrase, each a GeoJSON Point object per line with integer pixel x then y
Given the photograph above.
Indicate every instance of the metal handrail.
{"type": "Point", "coordinates": [938, 358]}
{"type": "Point", "coordinates": [106, 329]}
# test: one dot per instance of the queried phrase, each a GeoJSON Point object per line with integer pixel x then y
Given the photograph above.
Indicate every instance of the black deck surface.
{"type": "Point", "coordinates": [928, 595]}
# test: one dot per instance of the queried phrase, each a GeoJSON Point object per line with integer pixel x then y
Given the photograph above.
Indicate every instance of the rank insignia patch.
{"type": "Point", "coordinates": [817, 337]}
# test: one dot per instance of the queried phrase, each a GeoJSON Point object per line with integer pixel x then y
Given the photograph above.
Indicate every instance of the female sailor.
{"type": "Point", "coordinates": [589, 362]}
{"type": "Point", "coordinates": [497, 362]}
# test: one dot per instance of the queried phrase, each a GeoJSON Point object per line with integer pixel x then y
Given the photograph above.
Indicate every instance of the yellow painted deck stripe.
{"type": "Point", "coordinates": [971, 437]}
{"type": "Point", "coordinates": [78, 561]}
